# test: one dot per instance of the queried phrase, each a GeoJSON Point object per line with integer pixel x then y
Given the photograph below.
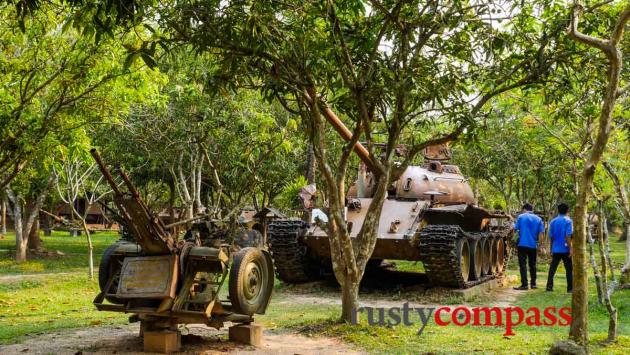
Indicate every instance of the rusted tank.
{"type": "Point", "coordinates": [164, 281]}
{"type": "Point", "coordinates": [429, 215]}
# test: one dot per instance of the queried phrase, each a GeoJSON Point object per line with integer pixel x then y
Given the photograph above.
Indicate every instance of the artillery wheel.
{"type": "Point", "coordinates": [107, 268]}
{"type": "Point", "coordinates": [249, 286]}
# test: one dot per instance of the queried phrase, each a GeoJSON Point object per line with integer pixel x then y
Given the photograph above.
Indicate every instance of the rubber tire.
{"type": "Point", "coordinates": [237, 272]}
{"type": "Point", "coordinates": [104, 271]}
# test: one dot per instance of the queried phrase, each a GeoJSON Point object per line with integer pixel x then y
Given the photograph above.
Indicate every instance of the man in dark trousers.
{"type": "Point", "coordinates": [530, 229]}
{"type": "Point", "coordinates": [560, 231]}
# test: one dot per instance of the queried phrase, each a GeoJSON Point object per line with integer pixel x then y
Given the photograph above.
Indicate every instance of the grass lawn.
{"type": "Point", "coordinates": [39, 304]}
{"type": "Point", "coordinates": [319, 319]}
{"type": "Point", "coordinates": [74, 248]}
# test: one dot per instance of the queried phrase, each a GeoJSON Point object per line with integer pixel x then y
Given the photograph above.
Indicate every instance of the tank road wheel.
{"type": "Point", "coordinates": [463, 257]}
{"type": "Point", "coordinates": [476, 256]}
{"type": "Point", "coordinates": [250, 287]}
{"type": "Point", "coordinates": [445, 253]}
{"type": "Point", "coordinates": [487, 256]}
{"type": "Point", "coordinates": [494, 261]}
{"type": "Point", "coordinates": [499, 252]}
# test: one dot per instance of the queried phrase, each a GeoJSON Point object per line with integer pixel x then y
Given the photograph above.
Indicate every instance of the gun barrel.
{"type": "Point", "coordinates": [128, 182]}
{"type": "Point", "coordinates": [106, 173]}
{"type": "Point", "coordinates": [345, 133]}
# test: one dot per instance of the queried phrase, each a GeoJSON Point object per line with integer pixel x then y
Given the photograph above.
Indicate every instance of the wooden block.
{"type": "Point", "coordinates": [250, 334]}
{"type": "Point", "coordinates": [162, 341]}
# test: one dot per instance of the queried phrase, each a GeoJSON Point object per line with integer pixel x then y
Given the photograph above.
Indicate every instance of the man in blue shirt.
{"type": "Point", "coordinates": [560, 231]}
{"type": "Point", "coordinates": [530, 228]}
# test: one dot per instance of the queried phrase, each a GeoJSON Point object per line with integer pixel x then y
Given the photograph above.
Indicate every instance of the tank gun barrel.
{"type": "Point", "coordinates": [345, 133]}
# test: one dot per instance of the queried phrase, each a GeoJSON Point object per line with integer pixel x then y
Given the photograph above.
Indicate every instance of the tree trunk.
{"type": "Point", "coordinates": [86, 230]}
{"type": "Point", "coordinates": [34, 241]}
{"type": "Point", "coordinates": [604, 252]}
{"type": "Point", "coordinates": [90, 250]}
{"type": "Point", "coordinates": [598, 279]}
{"type": "Point", "coordinates": [579, 301]}
{"type": "Point", "coordinates": [199, 208]}
{"type": "Point", "coordinates": [361, 250]}
{"type": "Point", "coordinates": [349, 299]}
{"type": "Point", "coordinates": [625, 270]}
{"type": "Point", "coordinates": [255, 202]}
{"type": "Point", "coordinates": [579, 324]}
{"type": "Point", "coordinates": [622, 199]}
{"type": "Point", "coordinates": [20, 241]}
{"type": "Point", "coordinates": [171, 203]}
{"type": "Point", "coordinates": [24, 218]}
{"type": "Point", "coordinates": [309, 171]}
{"type": "Point", "coordinates": [3, 215]}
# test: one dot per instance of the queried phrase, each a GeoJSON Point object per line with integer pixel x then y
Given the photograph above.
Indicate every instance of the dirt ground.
{"type": "Point", "coordinates": [199, 340]}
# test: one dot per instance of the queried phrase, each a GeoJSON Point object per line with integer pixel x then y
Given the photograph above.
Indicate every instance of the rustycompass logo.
{"type": "Point", "coordinates": [461, 316]}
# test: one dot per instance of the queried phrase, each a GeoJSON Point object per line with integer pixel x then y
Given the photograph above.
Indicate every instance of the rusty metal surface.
{"type": "Point", "coordinates": [398, 249]}
{"type": "Point", "coordinates": [416, 181]}
{"type": "Point", "coordinates": [405, 212]}
{"type": "Point", "coordinates": [344, 132]}
{"type": "Point", "coordinates": [146, 229]}
{"type": "Point", "coordinates": [468, 217]}
{"type": "Point", "coordinates": [148, 277]}
{"type": "Point", "coordinates": [141, 277]}
{"type": "Point", "coordinates": [391, 244]}
{"type": "Point", "coordinates": [429, 212]}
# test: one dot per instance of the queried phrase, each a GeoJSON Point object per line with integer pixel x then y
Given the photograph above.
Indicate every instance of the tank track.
{"type": "Point", "coordinates": [438, 245]}
{"type": "Point", "coordinates": [289, 253]}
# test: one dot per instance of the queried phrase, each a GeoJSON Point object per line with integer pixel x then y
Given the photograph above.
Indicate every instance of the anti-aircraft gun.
{"type": "Point", "coordinates": [429, 215]}
{"type": "Point", "coordinates": [164, 281]}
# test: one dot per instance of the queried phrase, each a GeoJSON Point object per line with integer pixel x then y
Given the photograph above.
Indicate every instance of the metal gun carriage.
{"type": "Point", "coordinates": [163, 281]}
